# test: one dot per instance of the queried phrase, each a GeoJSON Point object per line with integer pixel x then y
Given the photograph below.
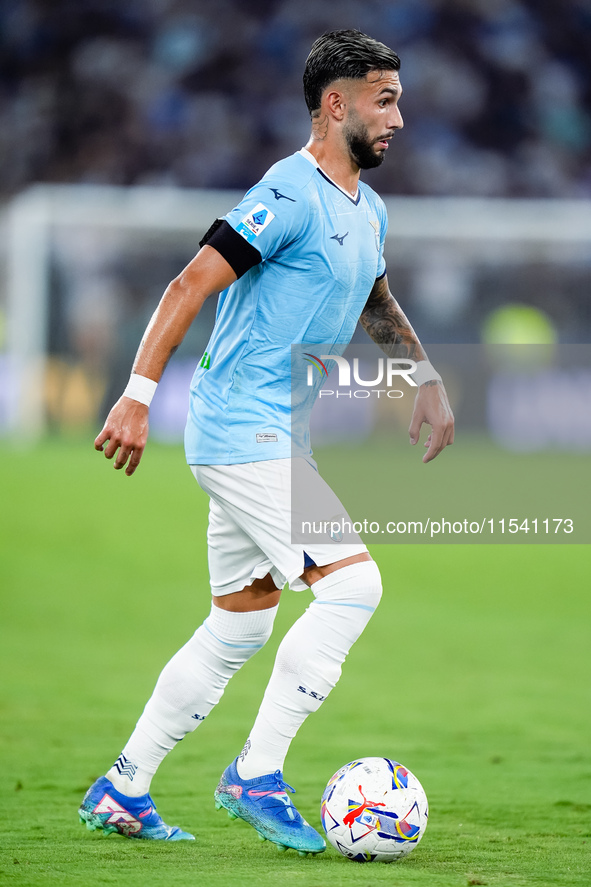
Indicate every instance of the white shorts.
{"type": "Point", "coordinates": [250, 524]}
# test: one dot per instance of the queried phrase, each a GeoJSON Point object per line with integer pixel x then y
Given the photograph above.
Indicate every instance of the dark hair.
{"type": "Point", "coordinates": [343, 54]}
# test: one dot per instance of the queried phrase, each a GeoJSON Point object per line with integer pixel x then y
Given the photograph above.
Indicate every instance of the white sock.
{"type": "Point", "coordinates": [187, 690]}
{"type": "Point", "coordinates": [308, 663]}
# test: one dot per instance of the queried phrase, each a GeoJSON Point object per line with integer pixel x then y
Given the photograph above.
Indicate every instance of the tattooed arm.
{"type": "Point", "coordinates": [385, 322]}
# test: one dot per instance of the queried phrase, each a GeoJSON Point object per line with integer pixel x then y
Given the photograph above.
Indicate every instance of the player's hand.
{"type": "Point", "coordinates": [432, 408]}
{"type": "Point", "coordinates": [126, 429]}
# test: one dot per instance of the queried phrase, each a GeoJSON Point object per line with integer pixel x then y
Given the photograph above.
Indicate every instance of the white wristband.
{"type": "Point", "coordinates": [425, 372]}
{"type": "Point", "coordinates": [140, 388]}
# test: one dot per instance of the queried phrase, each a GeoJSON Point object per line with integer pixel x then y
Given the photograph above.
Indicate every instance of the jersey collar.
{"type": "Point", "coordinates": [310, 157]}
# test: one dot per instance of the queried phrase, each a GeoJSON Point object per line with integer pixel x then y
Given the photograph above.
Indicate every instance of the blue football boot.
{"type": "Point", "coordinates": [107, 809]}
{"type": "Point", "coordinates": [263, 803]}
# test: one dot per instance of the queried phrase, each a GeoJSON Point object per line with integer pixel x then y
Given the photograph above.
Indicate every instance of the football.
{"type": "Point", "coordinates": [374, 809]}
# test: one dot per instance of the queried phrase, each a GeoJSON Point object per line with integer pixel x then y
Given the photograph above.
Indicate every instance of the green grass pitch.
{"type": "Point", "coordinates": [474, 674]}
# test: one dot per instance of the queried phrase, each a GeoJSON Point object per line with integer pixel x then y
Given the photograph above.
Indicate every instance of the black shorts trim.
{"type": "Point", "coordinates": [238, 252]}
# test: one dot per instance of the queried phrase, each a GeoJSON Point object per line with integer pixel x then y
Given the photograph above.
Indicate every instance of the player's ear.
{"type": "Point", "coordinates": [334, 100]}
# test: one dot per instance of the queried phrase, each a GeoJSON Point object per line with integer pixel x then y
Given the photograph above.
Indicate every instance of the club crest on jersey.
{"type": "Point", "coordinates": [255, 222]}
{"type": "Point", "coordinates": [376, 229]}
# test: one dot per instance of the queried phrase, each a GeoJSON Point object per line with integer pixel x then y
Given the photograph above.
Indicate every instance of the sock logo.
{"type": "Point", "coordinates": [125, 767]}
{"type": "Point", "coordinates": [245, 750]}
{"type": "Point", "coordinates": [312, 693]}
{"type": "Point", "coordinates": [198, 717]}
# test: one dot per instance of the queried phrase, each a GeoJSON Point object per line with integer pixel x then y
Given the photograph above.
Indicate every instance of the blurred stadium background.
{"type": "Point", "coordinates": [125, 128]}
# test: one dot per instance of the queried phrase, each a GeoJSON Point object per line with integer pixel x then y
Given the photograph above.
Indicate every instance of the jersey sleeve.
{"type": "Point", "coordinates": [383, 218]}
{"type": "Point", "coordinates": [270, 216]}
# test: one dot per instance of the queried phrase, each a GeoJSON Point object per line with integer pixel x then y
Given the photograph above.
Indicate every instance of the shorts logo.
{"type": "Point", "coordinates": [255, 222]}
{"type": "Point", "coordinates": [266, 437]}
{"type": "Point", "coordinates": [336, 531]}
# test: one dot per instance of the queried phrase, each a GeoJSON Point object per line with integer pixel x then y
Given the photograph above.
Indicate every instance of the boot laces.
{"type": "Point", "coordinates": [282, 785]}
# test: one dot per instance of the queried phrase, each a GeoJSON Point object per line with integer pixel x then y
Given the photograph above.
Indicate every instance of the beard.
{"type": "Point", "coordinates": [361, 146]}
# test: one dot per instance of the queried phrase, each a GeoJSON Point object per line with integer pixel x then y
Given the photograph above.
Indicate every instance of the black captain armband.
{"type": "Point", "coordinates": [240, 255]}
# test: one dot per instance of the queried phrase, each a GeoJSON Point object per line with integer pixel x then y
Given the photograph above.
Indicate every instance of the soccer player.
{"type": "Point", "coordinates": [299, 260]}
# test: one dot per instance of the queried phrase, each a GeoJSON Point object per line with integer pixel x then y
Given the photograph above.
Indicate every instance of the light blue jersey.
{"type": "Point", "coordinates": [322, 251]}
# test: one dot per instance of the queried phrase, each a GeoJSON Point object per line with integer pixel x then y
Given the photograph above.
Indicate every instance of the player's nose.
{"type": "Point", "coordinates": [396, 122]}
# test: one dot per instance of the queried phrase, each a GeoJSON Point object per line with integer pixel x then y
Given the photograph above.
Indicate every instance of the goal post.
{"type": "Point", "coordinates": [32, 217]}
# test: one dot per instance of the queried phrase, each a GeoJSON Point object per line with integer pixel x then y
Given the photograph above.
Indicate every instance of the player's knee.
{"type": "Point", "coordinates": [358, 584]}
{"type": "Point", "coordinates": [237, 634]}
{"type": "Point", "coordinates": [264, 632]}
{"type": "Point", "coordinates": [372, 590]}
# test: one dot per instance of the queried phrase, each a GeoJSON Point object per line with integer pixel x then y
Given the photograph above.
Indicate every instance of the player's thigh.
{"type": "Point", "coordinates": [258, 498]}
{"type": "Point", "coordinates": [235, 560]}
